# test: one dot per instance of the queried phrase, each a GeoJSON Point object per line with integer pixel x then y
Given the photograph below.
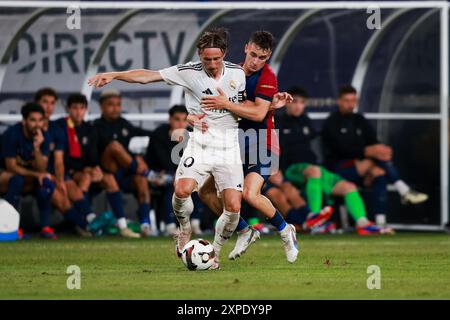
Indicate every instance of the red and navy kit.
{"type": "Point", "coordinates": [55, 136]}
{"type": "Point", "coordinates": [79, 146]}
{"type": "Point", "coordinates": [261, 84]}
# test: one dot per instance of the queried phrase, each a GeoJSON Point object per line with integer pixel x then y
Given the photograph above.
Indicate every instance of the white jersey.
{"type": "Point", "coordinates": [222, 124]}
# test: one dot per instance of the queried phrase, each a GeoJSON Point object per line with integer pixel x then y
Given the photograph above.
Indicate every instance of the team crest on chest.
{"type": "Point", "coordinates": [85, 140]}
{"type": "Point", "coordinates": [124, 132]}
{"type": "Point", "coordinates": [305, 131]}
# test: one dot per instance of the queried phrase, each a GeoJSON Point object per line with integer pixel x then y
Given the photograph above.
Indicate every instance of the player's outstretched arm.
{"type": "Point", "coordinates": [142, 76]}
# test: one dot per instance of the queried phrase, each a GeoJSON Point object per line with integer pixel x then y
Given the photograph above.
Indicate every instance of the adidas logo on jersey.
{"type": "Point", "coordinates": [207, 91]}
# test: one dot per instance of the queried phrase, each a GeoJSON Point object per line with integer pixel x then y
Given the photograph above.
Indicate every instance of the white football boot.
{"type": "Point", "coordinates": [244, 240]}
{"type": "Point", "coordinates": [414, 197]}
{"type": "Point", "coordinates": [288, 235]}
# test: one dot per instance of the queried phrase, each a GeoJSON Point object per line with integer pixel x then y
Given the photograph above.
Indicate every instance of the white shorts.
{"type": "Point", "coordinates": [199, 162]}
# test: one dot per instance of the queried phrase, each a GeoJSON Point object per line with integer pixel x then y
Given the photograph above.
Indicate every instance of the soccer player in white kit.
{"type": "Point", "coordinates": [215, 152]}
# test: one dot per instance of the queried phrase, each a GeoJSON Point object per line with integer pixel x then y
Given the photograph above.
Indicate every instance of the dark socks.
{"type": "Point", "coordinates": [115, 201]}
{"type": "Point", "coordinates": [144, 212]}
{"type": "Point", "coordinates": [379, 189]}
{"type": "Point", "coordinates": [277, 221]}
{"type": "Point", "coordinates": [15, 187]}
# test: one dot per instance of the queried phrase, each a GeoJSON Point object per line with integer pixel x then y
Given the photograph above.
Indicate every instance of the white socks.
{"type": "Point", "coordinates": [225, 226]}
{"type": "Point", "coordinates": [90, 217]}
{"type": "Point", "coordinates": [380, 219]}
{"type": "Point", "coordinates": [122, 223]}
{"type": "Point", "coordinates": [182, 208]}
{"type": "Point", "coordinates": [401, 187]}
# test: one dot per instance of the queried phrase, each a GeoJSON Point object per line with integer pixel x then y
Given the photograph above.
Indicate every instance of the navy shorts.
{"type": "Point", "coordinates": [265, 170]}
{"type": "Point", "coordinates": [347, 170]}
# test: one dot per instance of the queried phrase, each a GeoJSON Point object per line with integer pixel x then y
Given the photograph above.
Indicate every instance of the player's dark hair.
{"type": "Point", "coordinates": [346, 90]}
{"type": "Point", "coordinates": [76, 98]}
{"type": "Point", "coordinates": [215, 38]}
{"type": "Point", "coordinates": [178, 108]}
{"type": "Point", "coordinates": [298, 91]}
{"type": "Point", "coordinates": [30, 108]}
{"type": "Point", "coordinates": [45, 92]}
{"type": "Point", "coordinates": [263, 39]}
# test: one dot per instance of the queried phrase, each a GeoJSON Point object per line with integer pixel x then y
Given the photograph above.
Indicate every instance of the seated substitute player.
{"type": "Point", "coordinates": [81, 160]}
{"type": "Point", "coordinates": [287, 199]}
{"type": "Point", "coordinates": [73, 195]}
{"type": "Point", "coordinates": [114, 134]}
{"type": "Point", "coordinates": [296, 135]}
{"type": "Point", "coordinates": [257, 117]}
{"type": "Point", "coordinates": [332, 184]}
{"type": "Point", "coordinates": [25, 147]}
{"type": "Point", "coordinates": [159, 160]}
{"type": "Point", "coordinates": [353, 151]}
{"type": "Point", "coordinates": [215, 152]}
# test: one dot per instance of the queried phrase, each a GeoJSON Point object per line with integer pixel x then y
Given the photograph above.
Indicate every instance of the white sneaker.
{"type": "Point", "coordinates": [128, 233]}
{"type": "Point", "coordinates": [146, 231]}
{"type": "Point", "coordinates": [414, 197]}
{"type": "Point", "coordinates": [195, 225]}
{"type": "Point", "coordinates": [288, 235]}
{"type": "Point", "coordinates": [244, 240]}
{"type": "Point", "coordinates": [181, 237]}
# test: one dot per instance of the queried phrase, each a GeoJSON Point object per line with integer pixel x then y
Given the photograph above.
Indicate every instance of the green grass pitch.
{"type": "Point", "coordinates": [413, 266]}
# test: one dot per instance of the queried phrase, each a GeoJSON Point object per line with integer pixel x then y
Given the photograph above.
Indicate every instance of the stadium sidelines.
{"type": "Point", "coordinates": [444, 53]}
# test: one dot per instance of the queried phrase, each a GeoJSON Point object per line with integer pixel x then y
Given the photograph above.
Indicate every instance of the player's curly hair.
{"type": "Point", "coordinates": [215, 38]}
{"type": "Point", "coordinates": [263, 39]}
{"type": "Point", "coordinates": [31, 107]}
{"type": "Point", "coordinates": [45, 92]}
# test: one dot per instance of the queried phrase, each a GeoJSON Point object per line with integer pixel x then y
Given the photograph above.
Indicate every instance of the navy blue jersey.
{"type": "Point", "coordinates": [120, 130]}
{"type": "Point", "coordinates": [16, 145]}
{"type": "Point", "coordinates": [56, 143]}
{"type": "Point", "coordinates": [2, 159]}
{"type": "Point", "coordinates": [87, 137]}
{"type": "Point", "coordinates": [296, 135]}
{"type": "Point", "coordinates": [345, 136]}
{"type": "Point", "coordinates": [159, 150]}
{"type": "Point", "coordinates": [261, 84]}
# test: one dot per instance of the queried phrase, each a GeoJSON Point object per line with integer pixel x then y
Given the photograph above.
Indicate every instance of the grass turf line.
{"type": "Point", "coordinates": [413, 266]}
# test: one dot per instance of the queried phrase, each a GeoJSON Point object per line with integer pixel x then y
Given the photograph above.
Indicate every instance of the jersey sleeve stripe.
{"type": "Point", "coordinates": [190, 68]}
{"type": "Point", "coordinates": [264, 97]}
{"type": "Point", "coordinates": [241, 96]}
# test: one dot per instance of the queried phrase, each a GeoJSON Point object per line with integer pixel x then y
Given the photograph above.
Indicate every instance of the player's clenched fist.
{"type": "Point", "coordinates": [101, 79]}
{"type": "Point", "coordinates": [280, 99]}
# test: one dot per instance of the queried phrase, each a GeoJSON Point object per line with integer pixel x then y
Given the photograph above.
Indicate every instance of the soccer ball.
{"type": "Point", "coordinates": [198, 255]}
